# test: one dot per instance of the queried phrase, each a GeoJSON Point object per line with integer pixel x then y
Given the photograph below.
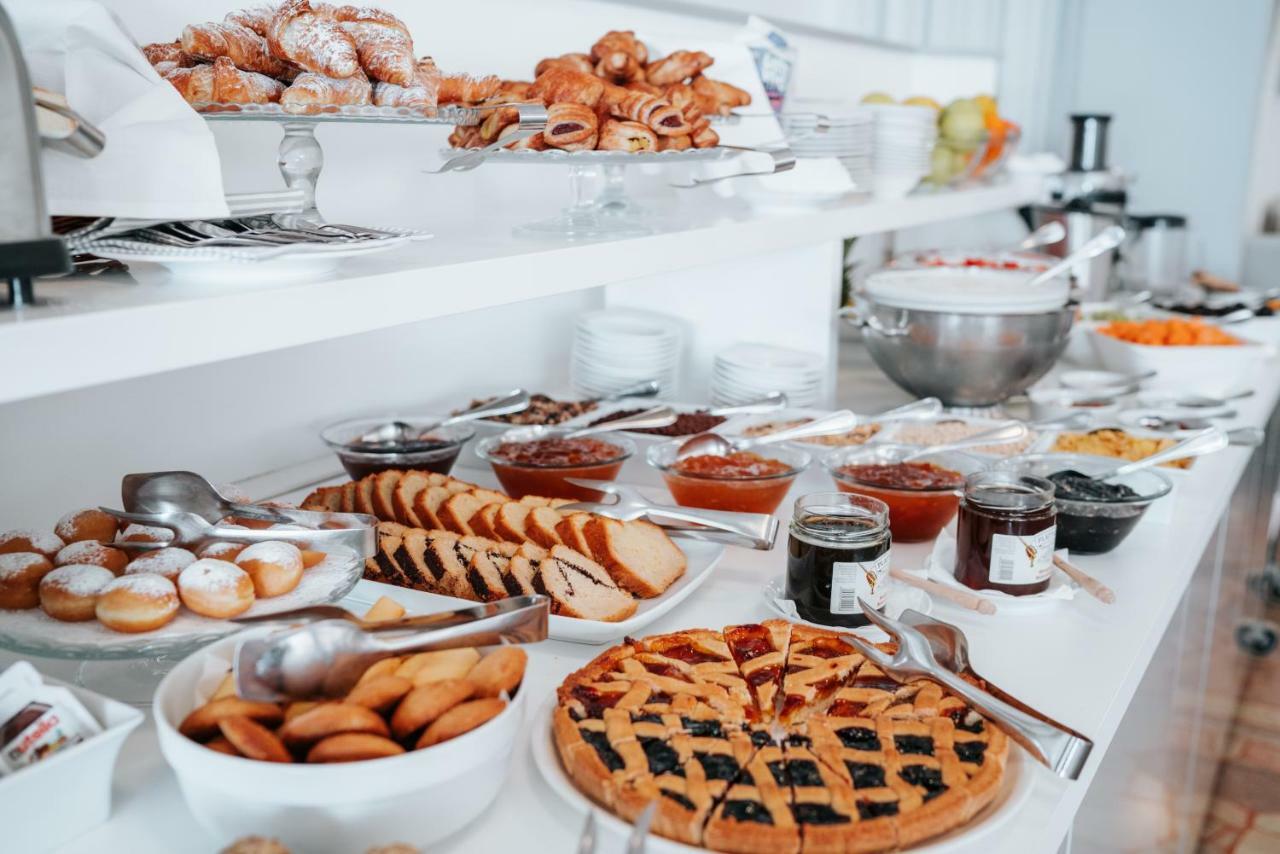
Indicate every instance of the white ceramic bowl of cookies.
{"type": "Point", "coordinates": [417, 798]}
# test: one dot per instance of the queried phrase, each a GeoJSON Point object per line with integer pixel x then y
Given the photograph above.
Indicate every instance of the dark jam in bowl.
{"type": "Point", "coordinates": [837, 553]}
{"type": "Point", "coordinates": [686, 423]}
{"type": "Point", "coordinates": [362, 459]}
{"type": "Point", "coordinates": [741, 481]}
{"type": "Point", "coordinates": [1093, 516]}
{"type": "Point", "coordinates": [922, 497]}
{"type": "Point", "coordinates": [541, 466]}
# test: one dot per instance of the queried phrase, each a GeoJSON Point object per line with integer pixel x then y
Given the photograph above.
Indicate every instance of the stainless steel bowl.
{"type": "Point", "coordinates": [963, 359]}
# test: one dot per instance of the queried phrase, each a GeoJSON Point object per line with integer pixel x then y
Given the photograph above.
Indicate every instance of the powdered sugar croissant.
{"type": "Point", "coordinates": [312, 40]}
{"type": "Point", "coordinates": [382, 43]}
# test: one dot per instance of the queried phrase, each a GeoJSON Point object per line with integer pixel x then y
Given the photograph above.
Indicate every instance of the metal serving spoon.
{"type": "Point", "coordinates": [646, 388]}
{"type": "Point", "coordinates": [1104, 241]}
{"type": "Point", "coordinates": [713, 444]}
{"type": "Point", "coordinates": [1206, 441]}
{"type": "Point", "coordinates": [771, 402]}
{"type": "Point", "coordinates": [402, 435]}
{"type": "Point", "coordinates": [1050, 232]}
{"type": "Point", "coordinates": [1002, 435]}
{"type": "Point", "coordinates": [658, 416]}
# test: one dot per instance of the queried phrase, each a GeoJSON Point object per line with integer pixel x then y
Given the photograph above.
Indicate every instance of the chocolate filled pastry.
{"type": "Point", "coordinates": [563, 85]}
{"type": "Point", "coordinates": [577, 61]}
{"type": "Point", "coordinates": [570, 127]}
{"type": "Point", "coordinates": [677, 67]}
{"type": "Point", "coordinates": [626, 136]}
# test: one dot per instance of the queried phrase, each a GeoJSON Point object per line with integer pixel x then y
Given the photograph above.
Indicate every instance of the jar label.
{"type": "Point", "coordinates": [853, 580]}
{"type": "Point", "coordinates": [1022, 560]}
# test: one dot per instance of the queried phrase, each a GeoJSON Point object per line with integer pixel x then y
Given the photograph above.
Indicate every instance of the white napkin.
{"type": "Point", "coordinates": [160, 160]}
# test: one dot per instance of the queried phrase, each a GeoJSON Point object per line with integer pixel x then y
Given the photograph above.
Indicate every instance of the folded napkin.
{"type": "Point", "coordinates": [160, 160]}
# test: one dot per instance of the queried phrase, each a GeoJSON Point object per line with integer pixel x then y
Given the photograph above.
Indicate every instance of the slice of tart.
{"type": "Point", "coordinates": [760, 651]}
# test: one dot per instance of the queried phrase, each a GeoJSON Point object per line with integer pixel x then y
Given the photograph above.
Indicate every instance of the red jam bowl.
{"type": "Point", "coordinates": [539, 461]}
{"type": "Point", "coordinates": [756, 484]}
{"type": "Point", "coordinates": [923, 494]}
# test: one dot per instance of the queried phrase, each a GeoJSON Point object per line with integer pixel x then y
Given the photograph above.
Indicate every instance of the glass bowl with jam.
{"type": "Point", "coordinates": [1094, 517]}
{"type": "Point", "coordinates": [742, 481]}
{"type": "Point", "coordinates": [432, 449]}
{"type": "Point", "coordinates": [922, 493]}
{"type": "Point", "coordinates": [540, 461]}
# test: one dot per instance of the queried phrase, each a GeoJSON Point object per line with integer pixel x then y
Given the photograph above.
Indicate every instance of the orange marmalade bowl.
{"type": "Point", "coordinates": [756, 484]}
{"type": "Point", "coordinates": [923, 494]}
{"type": "Point", "coordinates": [539, 461]}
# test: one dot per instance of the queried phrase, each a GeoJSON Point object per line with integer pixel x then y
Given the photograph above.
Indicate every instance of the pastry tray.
{"type": "Point", "coordinates": [605, 158]}
{"type": "Point", "coordinates": [449, 115]}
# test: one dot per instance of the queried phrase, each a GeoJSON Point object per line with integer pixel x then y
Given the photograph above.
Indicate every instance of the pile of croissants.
{"type": "Point", "coordinates": [615, 98]}
{"type": "Point", "coordinates": [307, 57]}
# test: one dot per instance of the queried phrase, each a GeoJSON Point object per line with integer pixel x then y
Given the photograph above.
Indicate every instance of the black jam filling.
{"type": "Point", "coordinates": [761, 738]}
{"type": "Point", "coordinates": [958, 717]}
{"type": "Point", "coordinates": [971, 751]}
{"type": "Point", "coordinates": [718, 766]}
{"type": "Point", "coordinates": [662, 757]}
{"type": "Point", "coordinates": [864, 775]}
{"type": "Point", "coordinates": [607, 754]}
{"type": "Point", "coordinates": [817, 814]}
{"type": "Point", "coordinates": [930, 779]}
{"type": "Point", "coordinates": [646, 718]}
{"type": "Point", "coordinates": [680, 799]}
{"type": "Point", "coordinates": [859, 738]}
{"type": "Point", "coordinates": [747, 811]}
{"type": "Point", "coordinates": [804, 773]}
{"type": "Point", "coordinates": [702, 729]}
{"type": "Point", "coordinates": [798, 741]}
{"type": "Point", "coordinates": [875, 809]}
{"type": "Point", "coordinates": [657, 697]}
{"type": "Point", "coordinates": [779, 771]}
{"type": "Point", "coordinates": [917, 744]}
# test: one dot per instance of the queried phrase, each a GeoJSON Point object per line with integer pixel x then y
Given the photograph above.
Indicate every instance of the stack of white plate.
{"type": "Point", "coordinates": [747, 372]}
{"type": "Point", "coordinates": [904, 140]}
{"type": "Point", "coordinates": [849, 138]}
{"type": "Point", "coordinates": [614, 349]}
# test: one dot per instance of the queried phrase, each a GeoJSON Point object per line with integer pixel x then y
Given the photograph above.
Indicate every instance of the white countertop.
{"type": "Point", "coordinates": [1079, 661]}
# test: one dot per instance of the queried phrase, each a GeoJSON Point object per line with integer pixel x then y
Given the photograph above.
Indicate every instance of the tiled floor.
{"type": "Point", "coordinates": [1245, 815]}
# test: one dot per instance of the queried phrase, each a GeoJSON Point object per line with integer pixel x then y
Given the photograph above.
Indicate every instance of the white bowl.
{"type": "Point", "coordinates": [1102, 382]}
{"type": "Point", "coordinates": [1183, 364]}
{"type": "Point", "coordinates": [417, 798]}
{"type": "Point", "coordinates": [1048, 403]}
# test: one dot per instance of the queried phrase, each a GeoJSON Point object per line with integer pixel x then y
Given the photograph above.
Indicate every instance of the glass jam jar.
{"type": "Point", "coordinates": [1005, 532]}
{"type": "Point", "coordinates": [838, 552]}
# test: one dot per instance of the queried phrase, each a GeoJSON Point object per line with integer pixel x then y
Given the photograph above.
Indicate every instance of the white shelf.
{"type": "Point", "coordinates": [100, 331]}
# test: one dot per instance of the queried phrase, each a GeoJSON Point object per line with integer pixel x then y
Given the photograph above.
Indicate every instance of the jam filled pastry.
{"type": "Point", "coordinates": [312, 40]}
{"type": "Point", "coordinates": [312, 92]}
{"type": "Point", "coordinates": [570, 127]}
{"type": "Point", "coordinates": [677, 67]}
{"type": "Point", "coordinates": [382, 43]}
{"type": "Point", "coordinates": [563, 85]}
{"type": "Point", "coordinates": [467, 90]}
{"type": "Point", "coordinates": [246, 49]}
{"type": "Point", "coordinates": [640, 107]}
{"type": "Point", "coordinates": [528, 143]}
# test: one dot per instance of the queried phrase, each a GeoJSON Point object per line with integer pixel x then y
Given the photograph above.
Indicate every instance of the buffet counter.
{"type": "Point", "coordinates": [1078, 660]}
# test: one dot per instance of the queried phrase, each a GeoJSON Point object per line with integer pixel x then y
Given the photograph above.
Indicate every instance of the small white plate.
{"type": "Point", "coordinates": [940, 567]}
{"type": "Point", "coordinates": [1014, 790]}
{"type": "Point", "coordinates": [901, 597]}
{"type": "Point", "coordinates": [702, 557]}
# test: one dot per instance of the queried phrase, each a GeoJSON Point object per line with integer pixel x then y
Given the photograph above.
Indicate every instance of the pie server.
{"type": "Point", "coordinates": [753, 530]}
{"type": "Point", "coordinates": [1055, 746]}
{"type": "Point", "coordinates": [327, 658]}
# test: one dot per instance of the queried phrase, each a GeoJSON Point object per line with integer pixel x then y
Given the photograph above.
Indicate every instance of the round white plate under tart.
{"type": "Point", "coordinates": [1014, 790]}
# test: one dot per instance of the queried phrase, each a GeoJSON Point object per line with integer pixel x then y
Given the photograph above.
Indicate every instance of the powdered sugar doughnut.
{"type": "Point", "coordinates": [215, 588]}
{"type": "Point", "coordinates": [136, 533]}
{"type": "Point", "coordinates": [28, 540]}
{"type": "Point", "coordinates": [168, 562]}
{"type": "Point", "coordinates": [94, 553]}
{"type": "Point", "coordinates": [137, 603]}
{"type": "Point", "coordinates": [70, 593]}
{"type": "Point", "coordinates": [276, 568]}
{"type": "Point", "coordinates": [87, 524]}
{"type": "Point", "coordinates": [222, 550]}
{"type": "Point", "coordinates": [20, 574]}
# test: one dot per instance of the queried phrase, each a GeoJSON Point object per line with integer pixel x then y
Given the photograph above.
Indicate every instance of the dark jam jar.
{"type": "Point", "coordinates": [838, 553]}
{"type": "Point", "coordinates": [1005, 533]}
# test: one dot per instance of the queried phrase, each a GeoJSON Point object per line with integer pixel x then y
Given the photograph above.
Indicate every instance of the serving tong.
{"type": "Point", "coordinates": [753, 530]}
{"type": "Point", "coordinates": [326, 657]}
{"type": "Point", "coordinates": [938, 651]}
{"type": "Point", "coordinates": [530, 119]}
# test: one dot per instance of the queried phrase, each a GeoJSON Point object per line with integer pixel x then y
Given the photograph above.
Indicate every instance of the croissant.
{"type": "Point", "coordinates": [232, 85]}
{"type": "Point", "coordinates": [619, 67]}
{"type": "Point", "coordinates": [620, 41]}
{"type": "Point", "coordinates": [465, 89]}
{"type": "Point", "coordinates": [577, 61]}
{"type": "Point", "coordinates": [413, 97]}
{"type": "Point", "coordinates": [311, 39]}
{"type": "Point", "coordinates": [195, 84]}
{"type": "Point", "coordinates": [626, 136]}
{"type": "Point", "coordinates": [245, 48]}
{"type": "Point", "coordinates": [571, 127]}
{"type": "Point", "coordinates": [726, 96]}
{"type": "Point", "coordinates": [170, 52]}
{"type": "Point", "coordinates": [256, 18]}
{"type": "Point", "coordinates": [382, 43]}
{"type": "Point", "coordinates": [563, 85]}
{"type": "Point", "coordinates": [513, 90]}
{"type": "Point", "coordinates": [677, 67]}
{"type": "Point", "coordinates": [311, 92]}
{"type": "Point", "coordinates": [427, 75]}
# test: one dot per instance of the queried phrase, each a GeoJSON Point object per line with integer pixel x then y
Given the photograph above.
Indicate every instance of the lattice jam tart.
{"type": "Point", "coordinates": [773, 738]}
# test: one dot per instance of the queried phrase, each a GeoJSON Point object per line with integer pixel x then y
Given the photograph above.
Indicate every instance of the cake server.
{"type": "Point", "coordinates": [934, 650]}
{"type": "Point", "coordinates": [327, 658]}
{"type": "Point", "coordinates": [355, 531]}
{"type": "Point", "coordinates": [753, 530]}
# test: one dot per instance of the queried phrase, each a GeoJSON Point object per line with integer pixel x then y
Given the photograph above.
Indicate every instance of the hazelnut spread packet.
{"type": "Point", "coordinates": [38, 720]}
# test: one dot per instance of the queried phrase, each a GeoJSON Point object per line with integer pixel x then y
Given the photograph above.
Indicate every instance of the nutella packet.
{"type": "Point", "coordinates": [38, 720]}
{"type": "Point", "coordinates": [774, 56]}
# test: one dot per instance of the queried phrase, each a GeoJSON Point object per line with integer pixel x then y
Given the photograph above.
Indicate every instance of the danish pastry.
{"type": "Point", "coordinates": [168, 562]}
{"type": "Point", "coordinates": [20, 574]}
{"type": "Point", "coordinates": [426, 703]}
{"type": "Point", "coordinates": [626, 136]}
{"type": "Point", "coordinates": [462, 719]}
{"type": "Point", "coordinates": [87, 524]}
{"type": "Point", "coordinates": [561, 84]}
{"type": "Point", "coordinates": [201, 724]}
{"type": "Point", "coordinates": [70, 593]}
{"type": "Point", "coordinates": [137, 603]}
{"type": "Point", "coordinates": [353, 747]}
{"type": "Point", "coordinates": [27, 540]}
{"type": "Point", "coordinates": [215, 588]}
{"type": "Point", "coordinates": [253, 740]}
{"type": "Point", "coordinates": [274, 567]}
{"type": "Point", "coordinates": [500, 670]}
{"type": "Point", "coordinates": [95, 553]}
{"type": "Point", "coordinates": [571, 127]}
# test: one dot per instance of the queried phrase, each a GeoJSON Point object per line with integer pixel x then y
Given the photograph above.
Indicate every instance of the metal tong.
{"type": "Point", "coordinates": [784, 160]}
{"type": "Point", "coordinates": [754, 530]}
{"type": "Point", "coordinates": [327, 658]}
{"type": "Point", "coordinates": [531, 119]}
{"type": "Point", "coordinates": [932, 649]}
